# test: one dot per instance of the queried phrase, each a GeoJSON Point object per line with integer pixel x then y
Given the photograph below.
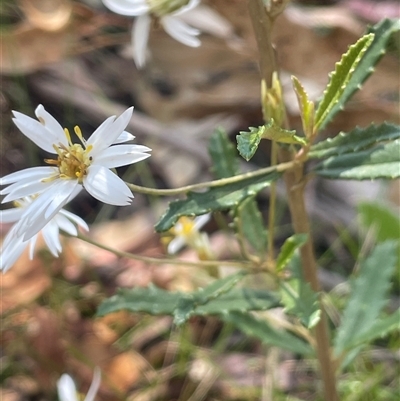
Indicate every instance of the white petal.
{"type": "Point", "coordinates": [24, 188]}
{"type": "Point", "coordinates": [52, 125]}
{"type": "Point", "coordinates": [76, 219]}
{"type": "Point", "coordinates": [127, 7]}
{"type": "Point", "coordinates": [121, 155]}
{"type": "Point", "coordinates": [140, 37]}
{"type": "Point", "coordinates": [101, 131]}
{"type": "Point", "coordinates": [51, 237]}
{"type": "Point", "coordinates": [32, 173]}
{"type": "Point", "coordinates": [105, 138]}
{"type": "Point", "coordinates": [65, 225]}
{"type": "Point", "coordinates": [200, 221]}
{"type": "Point", "coordinates": [35, 131]}
{"type": "Point", "coordinates": [124, 137]}
{"type": "Point", "coordinates": [66, 389]}
{"type": "Point", "coordinates": [106, 186]}
{"type": "Point", "coordinates": [192, 4]}
{"type": "Point", "coordinates": [180, 31]}
{"type": "Point", "coordinates": [45, 207]}
{"type": "Point", "coordinates": [94, 386]}
{"type": "Point", "coordinates": [32, 244]}
{"type": "Point", "coordinates": [207, 20]}
{"type": "Point", "coordinates": [175, 245]}
{"type": "Point", "coordinates": [11, 215]}
{"type": "Point", "coordinates": [12, 248]}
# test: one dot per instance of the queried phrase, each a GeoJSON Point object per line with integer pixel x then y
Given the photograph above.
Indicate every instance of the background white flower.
{"type": "Point", "coordinates": [169, 14]}
{"type": "Point", "coordinates": [186, 232]}
{"type": "Point", "coordinates": [86, 164]}
{"type": "Point", "coordinates": [13, 244]}
{"type": "Point", "coordinates": [67, 390]}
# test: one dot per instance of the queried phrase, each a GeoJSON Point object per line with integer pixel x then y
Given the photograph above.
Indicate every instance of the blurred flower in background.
{"type": "Point", "coordinates": [14, 245]}
{"type": "Point", "coordinates": [67, 390]}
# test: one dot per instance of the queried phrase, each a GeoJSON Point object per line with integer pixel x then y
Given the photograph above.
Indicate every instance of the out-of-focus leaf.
{"type": "Point", "coordinates": [385, 223]}
{"type": "Point", "coordinates": [217, 198]}
{"type": "Point", "coordinates": [288, 249]}
{"type": "Point", "coordinates": [368, 297]}
{"type": "Point", "coordinates": [265, 332]}
{"type": "Point", "coordinates": [249, 223]}
{"type": "Point", "coordinates": [378, 162]}
{"type": "Point", "coordinates": [358, 139]}
{"type": "Point", "coordinates": [223, 155]}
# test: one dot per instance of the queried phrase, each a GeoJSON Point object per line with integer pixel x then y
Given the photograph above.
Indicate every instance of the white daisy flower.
{"type": "Point", "coordinates": [14, 244]}
{"type": "Point", "coordinates": [77, 165]}
{"type": "Point", "coordinates": [170, 15]}
{"type": "Point", "coordinates": [186, 232]}
{"type": "Point", "coordinates": [67, 390]}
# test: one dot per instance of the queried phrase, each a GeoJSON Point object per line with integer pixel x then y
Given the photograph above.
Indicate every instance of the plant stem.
{"type": "Point", "coordinates": [295, 183]}
{"type": "Point", "coordinates": [295, 188]}
{"type": "Point", "coordinates": [212, 184]}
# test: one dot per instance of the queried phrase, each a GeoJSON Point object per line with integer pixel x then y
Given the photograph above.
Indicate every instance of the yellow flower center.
{"type": "Point", "coordinates": [72, 161]}
{"type": "Point", "coordinates": [164, 7]}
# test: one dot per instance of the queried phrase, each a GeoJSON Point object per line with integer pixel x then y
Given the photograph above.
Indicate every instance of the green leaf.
{"type": "Point", "coordinates": [249, 224]}
{"type": "Point", "coordinates": [380, 329]}
{"type": "Point", "coordinates": [263, 330]}
{"type": "Point", "coordinates": [218, 297]}
{"type": "Point", "coordinates": [217, 198]}
{"type": "Point", "coordinates": [301, 301]}
{"type": "Point", "coordinates": [358, 139]}
{"type": "Point", "coordinates": [247, 142]}
{"type": "Point", "coordinates": [382, 33]}
{"type": "Point", "coordinates": [288, 249]}
{"type": "Point", "coordinates": [378, 162]}
{"type": "Point", "coordinates": [385, 223]}
{"type": "Point", "coordinates": [306, 107]}
{"type": "Point", "coordinates": [368, 296]}
{"type": "Point", "coordinates": [223, 155]}
{"type": "Point", "coordinates": [340, 78]}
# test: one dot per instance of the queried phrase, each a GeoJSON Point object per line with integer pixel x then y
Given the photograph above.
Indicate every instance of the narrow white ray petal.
{"type": "Point", "coordinates": [45, 207]}
{"type": "Point", "coordinates": [52, 125]}
{"type": "Point", "coordinates": [66, 389]}
{"type": "Point", "coordinates": [32, 244]}
{"type": "Point", "coordinates": [180, 31]}
{"type": "Point", "coordinates": [11, 215]}
{"type": "Point", "coordinates": [106, 138]}
{"type": "Point", "coordinates": [121, 155]}
{"type": "Point", "coordinates": [192, 4]}
{"type": "Point", "coordinates": [127, 7]}
{"type": "Point", "coordinates": [17, 190]}
{"type": "Point", "coordinates": [94, 387]}
{"type": "Point", "coordinates": [140, 37]}
{"type": "Point", "coordinates": [98, 134]}
{"type": "Point", "coordinates": [175, 245]}
{"type": "Point", "coordinates": [51, 237]}
{"type": "Point", "coordinates": [35, 131]}
{"type": "Point", "coordinates": [76, 219]}
{"type": "Point", "coordinates": [106, 186]}
{"type": "Point", "coordinates": [200, 221]}
{"type": "Point", "coordinates": [207, 20]}
{"type": "Point", "coordinates": [65, 225]}
{"type": "Point", "coordinates": [33, 173]}
{"type": "Point", "coordinates": [124, 137]}
{"type": "Point", "coordinates": [10, 254]}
